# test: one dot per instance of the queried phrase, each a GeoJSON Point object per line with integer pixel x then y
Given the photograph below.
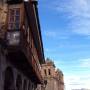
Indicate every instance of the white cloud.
{"type": "Point", "coordinates": [85, 63]}
{"type": "Point", "coordinates": [58, 63]}
{"type": "Point", "coordinates": [50, 33]}
{"type": "Point", "coordinates": [78, 13]}
{"type": "Point", "coordinates": [56, 34]}
{"type": "Point", "coordinates": [77, 82]}
{"type": "Point", "coordinates": [73, 7]}
{"type": "Point", "coordinates": [73, 46]}
{"type": "Point", "coordinates": [50, 50]}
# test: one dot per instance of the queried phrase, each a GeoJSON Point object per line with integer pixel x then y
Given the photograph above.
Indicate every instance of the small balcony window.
{"type": "Point", "coordinates": [10, 26]}
{"type": "Point", "coordinates": [17, 12]}
{"type": "Point", "coordinates": [14, 19]}
{"type": "Point", "coordinates": [17, 18]}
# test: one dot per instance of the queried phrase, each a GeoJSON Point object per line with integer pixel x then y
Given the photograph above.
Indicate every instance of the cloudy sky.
{"type": "Point", "coordinates": [65, 26]}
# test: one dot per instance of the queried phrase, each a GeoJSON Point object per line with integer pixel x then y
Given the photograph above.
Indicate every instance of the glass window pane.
{"type": "Point", "coordinates": [11, 12]}
{"type": "Point", "coordinates": [14, 18]}
{"type": "Point", "coordinates": [17, 18]}
{"type": "Point", "coordinates": [16, 25]}
{"type": "Point", "coordinates": [11, 19]}
{"type": "Point", "coordinates": [18, 12]}
{"type": "Point", "coordinates": [10, 26]}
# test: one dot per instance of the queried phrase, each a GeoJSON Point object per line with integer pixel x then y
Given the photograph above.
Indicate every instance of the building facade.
{"type": "Point", "coordinates": [53, 76]}
{"type": "Point", "coordinates": [21, 48]}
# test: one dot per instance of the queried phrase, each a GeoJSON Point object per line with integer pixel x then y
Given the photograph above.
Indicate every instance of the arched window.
{"type": "Point", "coordinates": [34, 86]}
{"type": "Point", "coordinates": [29, 85]}
{"type": "Point", "coordinates": [19, 83]}
{"type": "Point", "coordinates": [9, 79]}
{"type": "Point", "coordinates": [25, 85]}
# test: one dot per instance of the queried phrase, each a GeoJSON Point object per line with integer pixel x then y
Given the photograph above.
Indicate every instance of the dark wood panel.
{"type": "Point", "coordinates": [14, 1]}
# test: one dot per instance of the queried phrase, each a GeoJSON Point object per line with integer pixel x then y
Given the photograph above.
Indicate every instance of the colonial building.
{"type": "Point", "coordinates": [21, 48]}
{"type": "Point", "coordinates": [53, 76]}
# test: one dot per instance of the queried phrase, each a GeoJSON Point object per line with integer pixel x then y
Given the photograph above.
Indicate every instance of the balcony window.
{"type": "Point", "coordinates": [14, 19]}
{"type": "Point", "coordinates": [16, 25]}
{"type": "Point", "coordinates": [10, 26]}
{"type": "Point", "coordinates": [17, 12]}
{"type": "Point", "coordinates": [17, 18]}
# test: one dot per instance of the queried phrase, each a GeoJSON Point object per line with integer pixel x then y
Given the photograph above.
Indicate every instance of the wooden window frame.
{"type": "Point", "coordinates": [13, 22]}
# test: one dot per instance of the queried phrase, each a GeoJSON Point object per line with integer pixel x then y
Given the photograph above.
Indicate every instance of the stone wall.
{"type": "Point", "coordinates": [53, 76]}
{"type": "Point", "coordinates": [11, 78]}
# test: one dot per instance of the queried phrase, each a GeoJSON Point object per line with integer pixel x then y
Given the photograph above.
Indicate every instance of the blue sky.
{"type": "Point", "coordinates": [65, 26]}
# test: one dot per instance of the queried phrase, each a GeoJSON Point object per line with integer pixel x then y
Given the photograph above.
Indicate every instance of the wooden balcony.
{"type": "Point", "coordinates": [30, 65]}
{"type": "Point", "coordinates": [32, 56]}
